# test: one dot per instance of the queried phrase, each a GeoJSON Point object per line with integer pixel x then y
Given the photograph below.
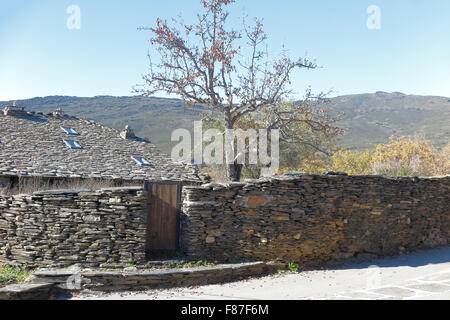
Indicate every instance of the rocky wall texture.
{"type": "Point", "coordinates": [61, 228]}
{"type": "Point", "coordinates": [312, 219]}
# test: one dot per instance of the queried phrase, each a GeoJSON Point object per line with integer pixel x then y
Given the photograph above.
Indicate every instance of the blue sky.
{"type": "Point", "coordinates": [40, 56]}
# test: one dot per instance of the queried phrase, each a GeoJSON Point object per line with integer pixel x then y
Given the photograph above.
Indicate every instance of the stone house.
{"type": "Point", "coordinates": [59, 146]}
{"type": "Point", "coordinates": [47, 151]}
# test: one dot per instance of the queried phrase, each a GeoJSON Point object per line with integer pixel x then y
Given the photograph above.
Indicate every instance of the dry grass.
{"type": "Point", "coordinates": [34, 184]}
{"type": "Point", "coordinates": [217, 173]}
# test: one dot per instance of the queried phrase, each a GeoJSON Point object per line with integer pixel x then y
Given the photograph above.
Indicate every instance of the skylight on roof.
{"type": "Point", "coordinates": [72, 144]}
{"type": "Point", "coordinates": [70, 131]}
{"type": "Point", "coordinates": [141, 161]}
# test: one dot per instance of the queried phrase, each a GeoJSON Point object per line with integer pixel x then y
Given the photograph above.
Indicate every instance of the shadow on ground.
{"type": "Point", "coordinates": [413, 260]}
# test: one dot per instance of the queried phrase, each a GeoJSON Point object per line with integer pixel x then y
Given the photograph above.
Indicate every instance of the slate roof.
{"type": "Point", "coordinates": [33, 145]}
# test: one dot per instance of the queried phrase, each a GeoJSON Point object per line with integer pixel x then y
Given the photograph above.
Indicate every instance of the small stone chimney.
{"type": "Point", "coordinates": [58, 113]}
{"type": "Point", "coordinates": [127, 133]}
{"type": "Point", "coordinates": [14, 110]}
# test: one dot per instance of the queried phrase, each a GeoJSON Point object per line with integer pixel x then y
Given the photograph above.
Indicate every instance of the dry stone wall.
{"type": "Point", "coordinates": [61, 228]}
{"type": "Point", "coordinates": [309, 219]}
{"type": "Point", "coordinates": [315, 218]}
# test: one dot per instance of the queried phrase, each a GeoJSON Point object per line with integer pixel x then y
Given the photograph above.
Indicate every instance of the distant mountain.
{"type": "Point", "coordinates": [369, 119]}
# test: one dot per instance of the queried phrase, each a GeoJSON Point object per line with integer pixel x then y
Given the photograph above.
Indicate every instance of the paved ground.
{"type": "Point", "coordinates": [423, 275]}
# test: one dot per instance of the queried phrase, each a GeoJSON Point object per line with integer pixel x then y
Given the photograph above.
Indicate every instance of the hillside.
{"type": "Point", "coordinates": [369, 119]}
{"type": "Point", "coordinates": [152, 118]}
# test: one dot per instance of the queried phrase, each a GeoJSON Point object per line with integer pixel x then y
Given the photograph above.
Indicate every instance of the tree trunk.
{"type": "Point", "coordinates": [234, 172]}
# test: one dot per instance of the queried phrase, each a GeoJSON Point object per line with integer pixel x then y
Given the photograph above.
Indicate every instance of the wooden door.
{"type": "Point", "coordinates": [162, 218]}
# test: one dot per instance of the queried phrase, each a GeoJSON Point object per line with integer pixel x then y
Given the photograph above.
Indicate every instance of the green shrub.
{"type": "Point", "coordinates": [11, 274]}
{"type": "Point", "coordinates": [292, 267]}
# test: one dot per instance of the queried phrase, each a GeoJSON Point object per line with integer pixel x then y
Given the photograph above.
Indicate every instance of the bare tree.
{"type": "Point", "coordinates": [227, 71]}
